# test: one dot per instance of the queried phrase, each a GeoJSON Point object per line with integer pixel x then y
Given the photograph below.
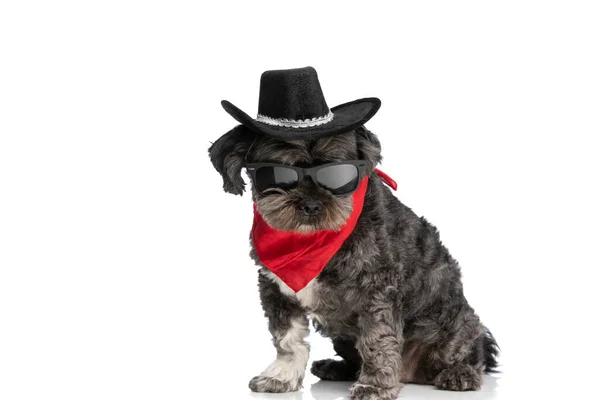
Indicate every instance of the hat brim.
{"type": "Point", "coordinates": [346, 117]}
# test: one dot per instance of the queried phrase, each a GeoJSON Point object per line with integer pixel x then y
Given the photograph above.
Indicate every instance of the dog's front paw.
{"type": "Point", "coordinates": [358, 391]}
{"type": "Point", "coordinates": [266, 384]}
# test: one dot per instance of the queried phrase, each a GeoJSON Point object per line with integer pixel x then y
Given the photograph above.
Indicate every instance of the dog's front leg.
{"type": "Point", "coordinates": [380, 347]}
{"type": "Point", "coordinates": [289, 326]}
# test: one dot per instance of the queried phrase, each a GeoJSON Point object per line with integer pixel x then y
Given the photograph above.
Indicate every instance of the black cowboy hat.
{"type": "Point", "coordinates": [291, 105]}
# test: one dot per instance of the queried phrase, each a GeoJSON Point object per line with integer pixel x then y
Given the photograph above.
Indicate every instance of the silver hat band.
{"type": "Point", "coordinates": [295, 123]}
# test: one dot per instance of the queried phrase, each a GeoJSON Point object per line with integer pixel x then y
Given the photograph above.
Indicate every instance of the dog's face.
{"type": "Point", "coordinates": [306, 207]}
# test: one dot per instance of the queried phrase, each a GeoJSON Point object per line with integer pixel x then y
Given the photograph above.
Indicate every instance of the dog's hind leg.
{"type": "Point", "coordinates": [467, 374]}
{"type": "Point", "coordinates": [289, 326]}
{"type": "Point", "coordinates": [460, 355]}
{"type": "Point", "coordinates": [346, 369]}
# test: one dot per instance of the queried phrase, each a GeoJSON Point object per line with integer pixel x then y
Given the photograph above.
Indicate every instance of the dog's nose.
{"type": "Point", "coordinates": [311, 207]}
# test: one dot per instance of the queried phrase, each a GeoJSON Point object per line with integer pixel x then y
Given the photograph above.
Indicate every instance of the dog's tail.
{"type": "Point", "coordinates": [490, 352]}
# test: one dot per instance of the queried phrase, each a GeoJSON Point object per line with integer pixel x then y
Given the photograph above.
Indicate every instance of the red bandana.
{"type": "Point", "coordinates": [298, 258]}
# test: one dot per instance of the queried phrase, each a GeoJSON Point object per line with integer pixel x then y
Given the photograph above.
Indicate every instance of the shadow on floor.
{"type": "Point", "coordinates": [327, 390]}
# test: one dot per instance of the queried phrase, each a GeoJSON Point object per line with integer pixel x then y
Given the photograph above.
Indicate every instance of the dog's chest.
{"type": "Point", "coordinates": [328, 309]}
{"type": "Point", "coordinates": [308, 297]}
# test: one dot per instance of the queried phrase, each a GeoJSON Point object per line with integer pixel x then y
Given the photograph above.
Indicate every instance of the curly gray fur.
{"type": "Point", "coordinates": [391, 299]}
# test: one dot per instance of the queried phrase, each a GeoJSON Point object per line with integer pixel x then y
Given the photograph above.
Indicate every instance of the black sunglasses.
{"type": "Point", "coordinates": [339, 178]}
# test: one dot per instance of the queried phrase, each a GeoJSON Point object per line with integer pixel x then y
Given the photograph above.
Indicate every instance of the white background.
{"type": "Point", "coordinates": [124, 269]}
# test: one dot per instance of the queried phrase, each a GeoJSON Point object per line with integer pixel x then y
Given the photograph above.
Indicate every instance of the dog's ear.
{"type": "Point", "coordinates": [228, 156]}
{"type": "Point", "coordinates": [369, 148]}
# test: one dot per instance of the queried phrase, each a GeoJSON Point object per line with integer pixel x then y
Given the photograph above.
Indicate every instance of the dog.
{"type": "Point", "coordinates": [391, 299]}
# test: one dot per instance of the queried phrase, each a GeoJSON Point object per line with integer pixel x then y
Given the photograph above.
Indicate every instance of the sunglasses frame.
{"type": "Point", "coordinates": [361, 166]}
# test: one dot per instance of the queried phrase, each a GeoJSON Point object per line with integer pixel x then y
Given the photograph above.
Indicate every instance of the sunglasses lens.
{"type": "Point", "coordinates": [275, 177]}
{"type": "Point", "coordinates": [338, 179]}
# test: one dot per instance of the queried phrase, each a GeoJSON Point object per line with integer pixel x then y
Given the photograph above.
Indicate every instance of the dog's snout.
{"type": "Point", "coordinates": [311, 207]}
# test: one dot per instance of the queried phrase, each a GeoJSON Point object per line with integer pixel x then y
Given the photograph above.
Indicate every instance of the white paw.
{"type": "Point", "coordinates": [266, 384]}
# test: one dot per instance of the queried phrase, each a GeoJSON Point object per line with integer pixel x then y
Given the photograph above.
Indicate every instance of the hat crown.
{"type": "Point", "coordinates": [291, 94]}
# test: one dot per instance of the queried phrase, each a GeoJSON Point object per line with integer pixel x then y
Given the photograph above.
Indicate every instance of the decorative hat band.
{"type": "Point", "coordinates": [295, 123]}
